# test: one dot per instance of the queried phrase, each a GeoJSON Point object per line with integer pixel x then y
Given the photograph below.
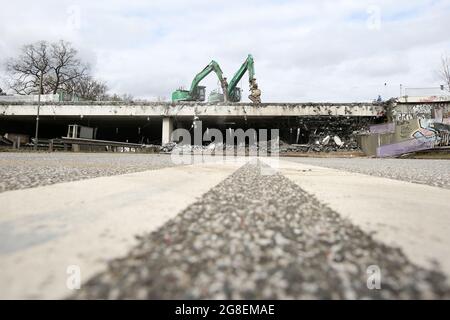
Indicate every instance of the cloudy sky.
{"type": "Point", "coordinates": [340, 50]}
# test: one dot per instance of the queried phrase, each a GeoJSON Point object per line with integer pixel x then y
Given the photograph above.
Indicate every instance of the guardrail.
{"type": "Point", "coordinates": [117, 146]}
{"type": "Point", "coordinates": [93, 145]}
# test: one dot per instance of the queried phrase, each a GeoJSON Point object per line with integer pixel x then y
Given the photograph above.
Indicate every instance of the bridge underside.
{"type": "Point", "coordinates": [152, 123]}
{"type": "Point", "coordinates": [149, 129]}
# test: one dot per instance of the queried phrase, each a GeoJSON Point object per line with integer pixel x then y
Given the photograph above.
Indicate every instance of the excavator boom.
{"type": "Point", "coordinates": [232, 90]}
{"type": "Point", "coordinates": [196, 92]}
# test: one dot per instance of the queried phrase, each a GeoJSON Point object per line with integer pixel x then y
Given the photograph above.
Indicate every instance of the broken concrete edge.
{"type": "Point", "coordinates": [187, 103]}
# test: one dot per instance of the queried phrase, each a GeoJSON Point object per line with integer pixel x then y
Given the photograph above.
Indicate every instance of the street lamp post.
{"type": "Point", "coordinates": [36, 135]}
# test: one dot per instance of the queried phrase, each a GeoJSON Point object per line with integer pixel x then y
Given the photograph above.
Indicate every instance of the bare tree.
{"type": "Point", "coordinates": [32, 65]}
{"type": "Point", "coordinates": [60, 68]}
{"type": "Point", "coordinates": [444, 73]}
{"type": "Point", "coordinates": [56, 63]}
{"type": "Point", "coordinates": [66, 66]}
{"type": "Point", "coordinates": [161, 99]}
{"type": "Point", "coordinates": [126, 97]}
{"type": "Point", "coordinates": [87, 88]}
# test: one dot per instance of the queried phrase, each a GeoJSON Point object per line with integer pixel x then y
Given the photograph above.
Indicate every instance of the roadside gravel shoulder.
{"type": "Point", "coordinates": [27, 170]}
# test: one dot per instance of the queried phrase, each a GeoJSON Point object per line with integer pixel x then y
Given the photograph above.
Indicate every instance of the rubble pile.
{"type": "Point", "coordinates": [327, 144]}
{"type": "Point", "coordinates": [312, 134]}
{"type": "Point", "coordinates": [168, 147]}
{"type": "Point", "coordinates": [173, 147]}
{"type": "Point", "coordinates": [323, 144]}
{"type": "Point", "coordinates": [5, 141]}
{"type": "Point", "coordinates": [328, 135]}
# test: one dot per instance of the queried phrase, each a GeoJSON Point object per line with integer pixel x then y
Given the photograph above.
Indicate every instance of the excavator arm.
{"type": "Point", "coordinates": [255, 93]}
{"type": "Point", "coordinates": [193, 94]}
{"type": "Point", "coordinates": [212, 66]}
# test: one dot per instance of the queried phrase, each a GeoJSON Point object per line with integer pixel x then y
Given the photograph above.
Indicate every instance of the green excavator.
{"type": "Point", "coordinates": [231, 92]}
{"type": "Point", "coordinates": [234, 93]}
{"type": "Point", "coordinates": [196, 92]}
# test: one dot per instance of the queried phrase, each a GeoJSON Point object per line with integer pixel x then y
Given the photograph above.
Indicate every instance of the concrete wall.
{"type": "Point", "coordinates": [370, 143]}
{"type": "Point", "coordinates": [408, 111]}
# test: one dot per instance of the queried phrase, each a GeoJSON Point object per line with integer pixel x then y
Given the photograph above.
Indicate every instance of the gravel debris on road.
{"type": "Point", "coordinates": [423, 171]}
{"type": "Point", "coordinates": [27, 170]}
{"type": "Point", "coordinates": [257, 236]}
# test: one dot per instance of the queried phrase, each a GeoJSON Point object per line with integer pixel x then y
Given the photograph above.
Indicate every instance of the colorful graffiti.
{"type": "Point", "coordinates": [395, 149]}
{"type": "Point", "coordinates": [416, 135]}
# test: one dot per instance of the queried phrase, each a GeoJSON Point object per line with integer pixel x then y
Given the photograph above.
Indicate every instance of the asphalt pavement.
{"type": "Point", "coordinates": [257, 236]}
{"type": "Point", "coordinates": [432, 172]}
{"type": "Point", "coordinates": [20, 170]}
{"type": "Point", "coordinates": [140, 226]}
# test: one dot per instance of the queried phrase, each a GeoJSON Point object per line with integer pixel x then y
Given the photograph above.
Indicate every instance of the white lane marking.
{"type": "Point", "coordinates": [411, 216]}
{"type": "Point", "coordinates": [45, 230]}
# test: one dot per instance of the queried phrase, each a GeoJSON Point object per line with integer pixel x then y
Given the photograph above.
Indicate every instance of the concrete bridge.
{"type": "Point", "coordinates": [168, 113]}
{"type": "Point", "coordinates": [122, 121]}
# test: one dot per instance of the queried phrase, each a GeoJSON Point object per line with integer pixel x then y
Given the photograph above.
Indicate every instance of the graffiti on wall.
{"type": "Point", "coordinates": [416, 135]}
{"type": "Point", "coordinates": [402, 112]}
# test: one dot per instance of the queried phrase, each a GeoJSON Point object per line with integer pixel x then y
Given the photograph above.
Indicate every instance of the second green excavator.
{"type": "Point", "coordinates": [231, 92]}
{"type": "Point", "coordinates": [234, 93]}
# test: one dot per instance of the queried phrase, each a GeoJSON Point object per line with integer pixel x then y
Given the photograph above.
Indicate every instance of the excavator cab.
{"type": "Point", "coordinates": [235, 95]}
{"type": "Point", "coordinates": [198, 94]}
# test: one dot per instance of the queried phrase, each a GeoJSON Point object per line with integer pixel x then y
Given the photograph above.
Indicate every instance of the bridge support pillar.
{"type": "Point", "coordinates": [167, 128]}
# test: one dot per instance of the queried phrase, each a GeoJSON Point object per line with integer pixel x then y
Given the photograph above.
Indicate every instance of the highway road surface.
{"type": "Point", "coordinates": [113, 226]}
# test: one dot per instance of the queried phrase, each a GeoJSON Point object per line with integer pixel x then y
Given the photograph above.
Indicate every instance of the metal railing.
{"type": "Point", "coordinates": [74, 144]}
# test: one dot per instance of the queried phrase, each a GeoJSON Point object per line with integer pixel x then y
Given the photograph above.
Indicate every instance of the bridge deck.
{"type": "Point", "coordinates": [192, 109]}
